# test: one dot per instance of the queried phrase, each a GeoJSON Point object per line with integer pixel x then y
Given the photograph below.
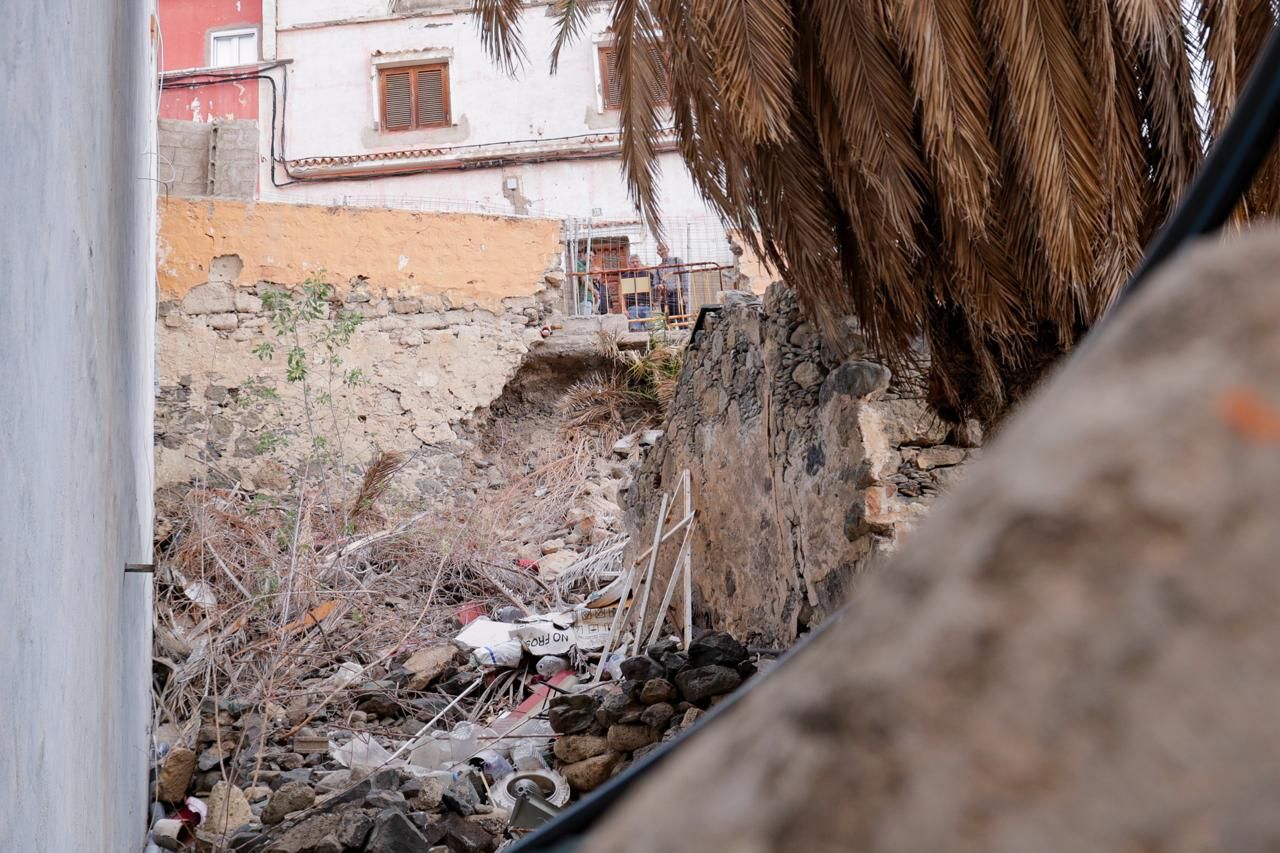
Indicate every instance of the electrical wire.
{"type": "Point", "coordinates": [281, 95]}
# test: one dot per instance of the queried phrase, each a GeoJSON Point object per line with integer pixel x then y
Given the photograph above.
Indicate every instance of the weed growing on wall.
{"type": "Point", "coordinates": [312, 333]}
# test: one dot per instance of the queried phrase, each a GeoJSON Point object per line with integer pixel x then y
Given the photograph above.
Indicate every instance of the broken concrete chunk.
{"type": "Point", "coordinates": [210, 298]}
{"type": "Point", "coordinates": [175, 775]}
{"type": "Point", "coordinates": [650, 437]}
{"type": "Point", "coordinates": [426, 665]}
{"type": "Point", "coordinates": [228, 810]}
{"type": "Point", "coordinates": [590, 773]}
{"type": "Point", "coordinates": [292, 797]}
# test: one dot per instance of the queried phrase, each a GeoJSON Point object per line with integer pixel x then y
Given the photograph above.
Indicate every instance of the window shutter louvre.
{"type": "Point", "coordinates": [612, 82]}
{"type": "Point", "coordinates": [432, 107]}
{"type": "Point", "coordinates": [660, 86]}
{"type": "Point", "coordinates": [397, 100]}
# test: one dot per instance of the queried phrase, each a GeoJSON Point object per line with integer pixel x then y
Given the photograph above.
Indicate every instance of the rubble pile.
{"type": "Point", "coordinates": [432, 777]}
{"type": "Point", "coordinates": [663, 692]}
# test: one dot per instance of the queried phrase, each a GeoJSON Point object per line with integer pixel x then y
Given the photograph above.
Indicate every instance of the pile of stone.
{"type": "Point", "coordinates": [662, 693]}
{"type": "Point", "coordinates": [389, 811]}
{"type": "Point", "coordinates": [596, 517]}
{"type": "Point", "coordinates": [928, 471]}
{"type": "Point", "coordinates": [295, 794]}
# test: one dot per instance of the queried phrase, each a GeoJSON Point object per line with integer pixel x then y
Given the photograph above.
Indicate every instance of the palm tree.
{"type": "Point", "coordinates": [982, 174]}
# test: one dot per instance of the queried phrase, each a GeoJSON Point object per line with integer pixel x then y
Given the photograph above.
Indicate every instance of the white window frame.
{"type": "Point", "coordinates": [235, 32]}
{"type": "Point", "coordinates": [599, 41]}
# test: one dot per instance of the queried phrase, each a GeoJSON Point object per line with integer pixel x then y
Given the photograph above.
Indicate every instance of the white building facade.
{"type": "Point", "coordinates": [396, 103]}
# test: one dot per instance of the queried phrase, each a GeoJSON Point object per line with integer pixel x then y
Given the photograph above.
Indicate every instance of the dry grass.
{"type": "Point", "coordinates": [258, 600]}
{"type": "Point", "coordinates": [634, 391]}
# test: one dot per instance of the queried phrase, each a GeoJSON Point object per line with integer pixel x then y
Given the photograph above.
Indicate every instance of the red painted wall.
{"type": "Point", "coordinates": [185, 26]}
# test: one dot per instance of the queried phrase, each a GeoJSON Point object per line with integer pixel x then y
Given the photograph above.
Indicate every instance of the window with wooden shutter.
{"type": "Point", "coordinates": [415, 97]}
{"type": "Point", "coordinates": [611, 81]}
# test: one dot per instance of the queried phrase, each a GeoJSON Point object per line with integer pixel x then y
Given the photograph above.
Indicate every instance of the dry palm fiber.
{"type": "Point", "coordinates": [979, 174]}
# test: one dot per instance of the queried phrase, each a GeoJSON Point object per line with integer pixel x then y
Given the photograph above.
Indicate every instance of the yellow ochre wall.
{"type": "Point", "coordinates": [469, 257]}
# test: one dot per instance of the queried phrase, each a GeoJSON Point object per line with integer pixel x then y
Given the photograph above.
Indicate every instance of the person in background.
{"type": "Point", "coordinates": [599, 290]}
{"type": "Point", "coordinates": [639, 305]}
{"type": "Point", "coordinates": [672, 282]}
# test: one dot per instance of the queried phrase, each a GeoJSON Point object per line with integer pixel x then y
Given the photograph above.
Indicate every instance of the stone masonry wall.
{"type": "Point", "coordinates": [427, 365]}
{"type": "Point", "coordinates": [445, 327]}
{"type": "Point", "coordinates": [218, 158]}
{"type": "Point", "coordinates": [804, 468]}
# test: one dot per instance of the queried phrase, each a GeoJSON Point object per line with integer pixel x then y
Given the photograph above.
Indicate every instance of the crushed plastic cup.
{"type": "Point", "coordinates": [433, 752]}
{"type": "Point", "coordinates": [496, 767]}
{"type": "Point", "coordinates": [527, 756]}
{"type": "Point", "coordinates": [462, 741]}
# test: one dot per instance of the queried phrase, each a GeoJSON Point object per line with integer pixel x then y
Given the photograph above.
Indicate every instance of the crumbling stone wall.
{"type": "Point", "coordinates": [804, 468]}
{"type": "Point", "coordinates": [452, 305]}
{"type": "Point", "coordinates": [427, 365]}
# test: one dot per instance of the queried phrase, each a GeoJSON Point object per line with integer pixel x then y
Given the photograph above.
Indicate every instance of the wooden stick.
{"type": "Point", "coordinates": [682, 559]}
{"type": "Point", "coordinates": [653, 563]}
{"type": "Point", "coordinates": [671, 531]}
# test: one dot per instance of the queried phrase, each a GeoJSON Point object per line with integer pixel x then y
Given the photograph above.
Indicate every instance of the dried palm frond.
{"type": "Point", "coordinates": [572, 17]}
{"type": "Point", "coordinates": [1233, 32]}
{"type": "Point", "coordinates": [377, 479]}
{"type": "Point", "coordinates": [499, 24]}
{"type": "Point", "coordinates": [980, 174]}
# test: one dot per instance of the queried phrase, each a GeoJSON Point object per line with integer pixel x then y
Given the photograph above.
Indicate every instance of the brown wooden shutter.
{"type": "Point", "coordinates": [611, 81]}
{"type": "Point", "coordinates": [433, 96]}
{"type": "Point", "coordinates": [661, 91]}
{"type": "Point", "coordinates": [609, 78]}
{"type": "Point", "coordinates": [397, 100]}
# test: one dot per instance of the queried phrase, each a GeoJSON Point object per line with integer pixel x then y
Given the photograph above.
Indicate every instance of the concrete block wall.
{"type": "Point", "coordinates": [77, 224]}
{"type": "Point", "coordinates": [218, 158]}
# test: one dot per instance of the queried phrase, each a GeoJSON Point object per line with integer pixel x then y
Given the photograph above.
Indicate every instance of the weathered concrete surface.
{"type": "Point", "coordinates": [209, 158]}
{"type": "Point", "coordinates": [804, 469]}
{"type": "Point", "coordinates": [1078, 650]}
{"type": "Point", "coordinates": [76, 315]}
{"type": "Point", "coordinates": [467, 257]}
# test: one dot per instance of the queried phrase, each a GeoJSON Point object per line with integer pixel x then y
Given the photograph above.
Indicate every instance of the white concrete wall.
{"type": "Point", "coordinates": [76, 314]}
{"type": "Point", "coordinates": [335, 46]}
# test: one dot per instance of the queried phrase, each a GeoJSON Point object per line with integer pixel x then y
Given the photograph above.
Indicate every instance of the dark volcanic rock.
{"type": "Point", "coordinates": [572, 714]}
{"type": "Point", "coordinates": [641, 668]}
{"type": "Point", "coordinates": [395, 833]}
{"type": "Point", "coordinates": [707, 681]}
{"type": "Point", "coordinates": [716, 648]}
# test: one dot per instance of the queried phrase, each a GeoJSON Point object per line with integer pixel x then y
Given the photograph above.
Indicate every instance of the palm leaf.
{"type": "Point", "coordinates": [639, 75]}
{"type": "Point", "coordinates": [499, 25]}
{"type": "Point", "coordinates": [751, 43]}
{"type": "Point", "coordinates": [572, 17]}
{"type": "Point", "coordinates": [1048, 108]}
